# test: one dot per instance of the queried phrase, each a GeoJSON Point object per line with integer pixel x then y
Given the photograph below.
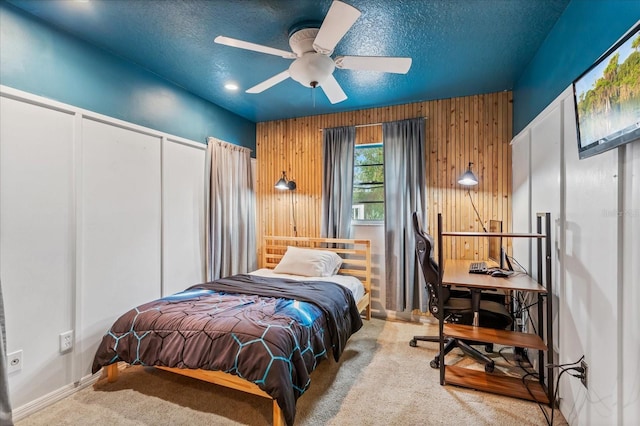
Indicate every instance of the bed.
{"type": "Point", "coordinates": [262, 333]}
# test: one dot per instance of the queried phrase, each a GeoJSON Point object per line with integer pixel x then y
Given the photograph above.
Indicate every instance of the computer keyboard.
{"type": "Point", "coordinates": [478, 268]}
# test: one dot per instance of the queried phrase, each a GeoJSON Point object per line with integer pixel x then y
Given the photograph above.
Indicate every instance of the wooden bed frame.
{"type": "Point", "coordinates": [356, 255]}
{"type": "Point", "coordinates": [357, 262]}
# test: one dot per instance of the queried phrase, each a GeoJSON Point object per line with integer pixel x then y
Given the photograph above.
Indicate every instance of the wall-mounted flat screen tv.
{"type": "Point", "coordinates": [607, 98]}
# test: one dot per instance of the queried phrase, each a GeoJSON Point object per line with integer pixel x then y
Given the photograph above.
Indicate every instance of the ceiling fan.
{"type": "Point", "coordinates": [312, 48]}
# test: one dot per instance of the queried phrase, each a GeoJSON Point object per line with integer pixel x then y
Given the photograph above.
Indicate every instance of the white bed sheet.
{"type": "Point", "coordinates": [352, 283]}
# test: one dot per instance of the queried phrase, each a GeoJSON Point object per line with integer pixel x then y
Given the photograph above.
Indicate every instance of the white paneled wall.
{"type": "Point", "coordinates": [119, 228]}
{"type": "Point", "coordinates": [629, 297]}
{"type": "Point", "coordinates": [592, 315]}
{"type": "Point", "coordinates": [594, 205]}
{"type": "Point", "coordinates": [183, 224]}
{"type": "Point", "coordinates": [36, 241]}
{"type": "Point", "coordinates": [96, 216]}
{"type": "Point", "coordinates": [521, 196]}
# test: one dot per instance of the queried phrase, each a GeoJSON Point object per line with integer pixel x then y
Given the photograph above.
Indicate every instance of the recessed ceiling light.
{"type": "Point", "coordinates": [231, 86]}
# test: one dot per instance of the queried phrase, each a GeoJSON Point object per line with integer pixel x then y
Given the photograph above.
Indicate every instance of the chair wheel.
{"type": "Point", "coordinates": [489, 348]}
{"type": "Point", "coordinates": [435, 363]}
{"type": "Point", "coordinates": [489, 367]}
{"type": "Point", "coordinates": [413, 343]}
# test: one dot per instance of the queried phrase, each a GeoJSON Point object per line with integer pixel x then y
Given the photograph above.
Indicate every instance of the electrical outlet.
{"type": "Point", "coordinates": [585, 370]}
{"type": "Point", "coordinates": [66, 341]}
{"type": "Point", "coordinates": [14, 362]}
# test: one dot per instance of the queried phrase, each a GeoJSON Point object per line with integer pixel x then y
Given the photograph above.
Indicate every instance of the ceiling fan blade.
{"type": "Point", "coordinates": [374, 63]}
{"type": "Point", "coordinates": [227, 41]}
{"type": "Point", "coordinates": [339, 19]}
{"type": "Point", "coordinates": [332, 89]}
{"type": "Point", "coordinates": [261, 87]}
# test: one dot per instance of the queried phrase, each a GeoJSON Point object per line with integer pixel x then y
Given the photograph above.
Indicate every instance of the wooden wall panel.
{"type": "Point", "coordinates": [474, 129]}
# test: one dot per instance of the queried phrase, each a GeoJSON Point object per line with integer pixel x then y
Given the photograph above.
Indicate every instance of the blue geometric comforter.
{"type": "Point", "coordinates": [269, 331]}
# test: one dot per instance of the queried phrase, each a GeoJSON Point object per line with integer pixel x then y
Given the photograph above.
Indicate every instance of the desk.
{"type": "Point", "coordinates": [456, 273]}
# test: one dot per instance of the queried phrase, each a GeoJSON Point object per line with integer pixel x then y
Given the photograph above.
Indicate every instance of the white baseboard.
{"type": "Point", "coordinates": [404, 316]}
{"type": "Point", "coordinates": [53, 397]}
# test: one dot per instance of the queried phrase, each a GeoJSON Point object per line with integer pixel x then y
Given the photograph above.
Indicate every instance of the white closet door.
{"type": "Point", "coordinates": [36, 242]}
{"type": "Point", "coordinates": [119, 227]}
{"type": "Point", "coordinates": [183, 215]}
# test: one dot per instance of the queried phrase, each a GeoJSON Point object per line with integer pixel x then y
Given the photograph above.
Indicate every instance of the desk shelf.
{"type": "Point", "coordinates": [491, 335]}
{"type": "Point", "coordinates": [495, 383]}
{"type": "Point", "coordinates": [493, 234]}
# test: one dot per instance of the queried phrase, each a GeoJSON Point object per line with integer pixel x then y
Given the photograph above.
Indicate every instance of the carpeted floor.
{"type": "Point", "coordinates": [380, 380]}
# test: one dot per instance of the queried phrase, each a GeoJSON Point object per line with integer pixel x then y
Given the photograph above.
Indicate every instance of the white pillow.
{"type": "Point", "coordinates": [308, 262]}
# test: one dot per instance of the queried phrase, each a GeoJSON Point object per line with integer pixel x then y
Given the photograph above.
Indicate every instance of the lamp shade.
{"type": "Point", "coordinates": [468, 178]}
{"type": "Point", "coordinates": [283, 183]}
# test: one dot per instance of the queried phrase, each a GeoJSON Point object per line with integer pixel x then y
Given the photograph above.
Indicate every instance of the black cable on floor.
{"type": "Point", "coordinates": [524, 382]}
{"type": "Point", "coordinates": [563, 369]}
{"type": "Point", "coordinates": [503, 357]}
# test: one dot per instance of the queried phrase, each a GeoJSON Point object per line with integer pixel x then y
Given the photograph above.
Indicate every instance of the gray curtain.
{"type": "Point", "coordinates": [337, 181]}
{"type": "Point", "coordinates": [5, 405]}
{"type": "Point", "coordinates": [230, 232]}
{"type": "Point", "coordinates": [405, 192]}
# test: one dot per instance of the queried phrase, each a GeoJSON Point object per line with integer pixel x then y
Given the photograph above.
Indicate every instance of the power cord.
{"type": "Point", "coordinates": [502, 355]}
{"type": "Point", "coordinates": [517, 302]}
{"type": "Point", "coordinates": [526, 308]}
{"type": "Point", "coordinates": [563, 369]}
{"type": "Point", "coordinates": [293, 215]}
{"type": "Point", "coordinates": [513, 259]}
{"type": "Point", "coordinates": [522, 306]}
{"type": "Point", "coordinates": [520, 301]}
{"type": "Point", "coordinates": [476, 210]}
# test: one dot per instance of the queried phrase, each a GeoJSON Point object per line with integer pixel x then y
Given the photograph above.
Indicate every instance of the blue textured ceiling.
{"type": "Point", "coordinates": [459, 47]}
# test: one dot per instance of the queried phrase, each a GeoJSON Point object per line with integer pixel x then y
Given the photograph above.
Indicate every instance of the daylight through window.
{"type": "Point", "coordinates": [368, 183]}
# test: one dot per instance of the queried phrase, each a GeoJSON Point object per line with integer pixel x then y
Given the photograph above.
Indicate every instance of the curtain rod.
{"type": "Point", "coordinates": [378, 124]}
{"type": "Point", "coordinates": [227, 144]}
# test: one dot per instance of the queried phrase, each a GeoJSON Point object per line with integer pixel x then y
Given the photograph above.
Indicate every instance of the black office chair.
{"type": "Point", "coordinates": [457, 305]}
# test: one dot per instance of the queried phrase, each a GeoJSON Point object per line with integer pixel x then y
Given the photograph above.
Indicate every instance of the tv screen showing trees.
{"type": "Point", "coordinates": [607, 98]}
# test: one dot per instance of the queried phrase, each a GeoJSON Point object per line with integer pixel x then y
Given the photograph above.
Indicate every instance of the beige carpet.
{"type": "Point", "coordinates": [380, 380]}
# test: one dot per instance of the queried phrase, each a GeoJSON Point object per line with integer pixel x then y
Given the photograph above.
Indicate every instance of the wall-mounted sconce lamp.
{"type": "Point", "coordinates": [284, 183]}
{"type": "Point", "coordinates": [468, 178]}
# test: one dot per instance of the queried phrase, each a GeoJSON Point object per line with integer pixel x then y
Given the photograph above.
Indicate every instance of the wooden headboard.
{"type": "Point", "coordinates": [356, 255]}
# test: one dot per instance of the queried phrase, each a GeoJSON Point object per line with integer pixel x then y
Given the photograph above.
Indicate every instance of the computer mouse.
{"type": "Point", "coordinates": [500, 274]}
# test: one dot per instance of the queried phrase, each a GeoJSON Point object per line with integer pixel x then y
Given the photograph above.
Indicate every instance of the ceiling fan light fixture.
{"type": "Point", "coordinates": [311, 67]}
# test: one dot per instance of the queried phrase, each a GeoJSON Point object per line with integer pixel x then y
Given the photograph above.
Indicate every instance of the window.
{"type": "Point", "coordinates": [368, 183]}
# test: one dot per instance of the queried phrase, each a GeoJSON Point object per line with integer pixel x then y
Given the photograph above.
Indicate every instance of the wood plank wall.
{"type": "Point", "coordinates": [474, 129]}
